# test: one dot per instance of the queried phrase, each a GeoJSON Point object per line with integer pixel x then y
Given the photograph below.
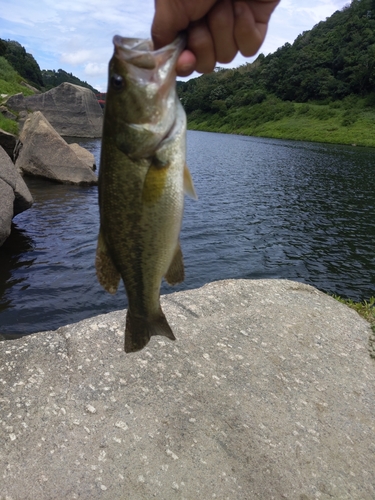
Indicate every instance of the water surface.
{"type": "Point", "coordinates": [267, 209]}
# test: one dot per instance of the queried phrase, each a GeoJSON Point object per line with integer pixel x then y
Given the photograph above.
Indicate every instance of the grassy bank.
{"type": "Point", "coordinates": [351, 121]}
{"type": "Point", "coordinates": [367, 311]}
{"type": "Point", "coordinates": [10, 80]}
{"type": "Point", "coordinates": [10, 84]}
{"type": "Point", "coordinates": [8, 125]}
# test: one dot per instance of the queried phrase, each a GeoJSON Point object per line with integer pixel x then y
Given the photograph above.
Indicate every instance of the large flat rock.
{"type": "Point", "coordinates": [268, 393]}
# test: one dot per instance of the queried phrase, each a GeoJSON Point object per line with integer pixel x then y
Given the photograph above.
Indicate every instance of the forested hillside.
{"type": "Point", "coordinates": [21, 61]}
{"type": "Point", "coordinates": [326, 75]}
{"type": "Point", "coordinates": [52, 78]}
{"type": "Point", "coordinates": [27, 67]}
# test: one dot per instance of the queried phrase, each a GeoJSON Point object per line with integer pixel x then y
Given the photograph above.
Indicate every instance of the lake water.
{"type": "Point", "coordinates": [267, 209]}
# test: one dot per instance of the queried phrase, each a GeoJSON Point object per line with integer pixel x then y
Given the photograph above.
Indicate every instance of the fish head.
{"type": "Point", "coordinates": [141, 99]}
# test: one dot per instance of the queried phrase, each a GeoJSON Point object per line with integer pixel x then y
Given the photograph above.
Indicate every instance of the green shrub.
{"type": "Point", "coordinates": [7, 73]}
{"type": "Point", "coordinates": [219, 106]}
{"type": "Point", "coordinates": [323, 113]}
{"type": "Point", "coordinates": [349, 117]}
{"type": "Point", "coordinates": [303, 110]}
{"type": "Point", "coordinates": [8, 125]}
{"type": "Point", "coordinates": [335, 105]}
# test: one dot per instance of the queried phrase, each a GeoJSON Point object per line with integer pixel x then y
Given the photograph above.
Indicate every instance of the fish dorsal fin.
{"type": "Point", "coordinates": [188, 184]}
{"type": "Point", "coordinates": [176, 272]}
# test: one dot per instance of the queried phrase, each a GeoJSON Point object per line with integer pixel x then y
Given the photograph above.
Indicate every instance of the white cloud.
{"type": "Point", "coordinates": [76, 35]}
{"type": "Point", "coordinates": [75, 58]}
{"type": "Point", "coordinates": [95, 69]}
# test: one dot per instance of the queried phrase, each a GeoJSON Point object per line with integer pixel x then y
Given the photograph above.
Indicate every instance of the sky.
{"type": "Point", "coordinates": [76, 35]}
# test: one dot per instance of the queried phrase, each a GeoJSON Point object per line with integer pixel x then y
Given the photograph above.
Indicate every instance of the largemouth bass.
{"type": "Point", "coordinates": [142, 180]}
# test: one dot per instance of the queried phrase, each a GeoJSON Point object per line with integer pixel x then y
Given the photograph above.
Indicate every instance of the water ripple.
{"type": "Point", "coordinates": [266, 209]}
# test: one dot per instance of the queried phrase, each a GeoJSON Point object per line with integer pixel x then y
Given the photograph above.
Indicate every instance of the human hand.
{"type": "Point", "coordinates": [216, 29]}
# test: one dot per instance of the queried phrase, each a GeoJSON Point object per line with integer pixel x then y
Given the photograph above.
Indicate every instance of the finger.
{"type": "Point", "coordinates": [168, 20]}
{"type": "Point", "coordinates": [201, 44]}
{"type": "Point", "coordinates": [220, 21]}
{"type": "Point", "coordinates": [173, 16]}
{"type": "Point", "coordinates": [246, 32]}
{"type": "Point", "coordinates": [186, 63]}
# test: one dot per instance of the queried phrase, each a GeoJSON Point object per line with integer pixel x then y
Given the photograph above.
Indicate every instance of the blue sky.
{"type": "Point", "coordinates": [76, 35]}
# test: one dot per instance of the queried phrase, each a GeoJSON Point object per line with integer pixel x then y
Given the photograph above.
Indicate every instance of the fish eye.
{"type": "Point", "coordinates": [117, 82]}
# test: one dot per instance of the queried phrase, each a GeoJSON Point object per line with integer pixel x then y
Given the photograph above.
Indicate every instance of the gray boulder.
{"type": "Point", "coordinates": [16, 102]}
{"type": "Point", "coordinates": [15, 196]}
{"type": "Point", "coordinates": [268, 392]}
{"type": "Point", "coordinates": [71, 110]}
{"type": "Point", "coordinates": [8, 142]}
{"type": "Point", "coordinates": [6, 210]}
{"type": "Point", "coordinates": [7, 114]}
{"type": "Point", "coordinates": [83, 154]}
{"type": "Point", "coordinates": [30, 87]}
{"type": "Point", "coordinates": [44, 153]}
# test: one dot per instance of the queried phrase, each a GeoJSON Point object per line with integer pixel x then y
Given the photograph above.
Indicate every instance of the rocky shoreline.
{"type": "Point", "coordinates": [40, 149]}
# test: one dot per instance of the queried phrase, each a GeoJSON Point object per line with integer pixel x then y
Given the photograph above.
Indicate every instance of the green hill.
{"type": "Point", "coordinates": [52, 78]}
{"type": "Point", "coordinates": [10, 84]}
{"type": "Point", "coordinates": [19, 70]}
{"type": "Point", "coordinates": [320, 88]}
{"type": "Point", "coordinates": [28, 69]}
{"type": "Point", "coordinates": [22, 62]}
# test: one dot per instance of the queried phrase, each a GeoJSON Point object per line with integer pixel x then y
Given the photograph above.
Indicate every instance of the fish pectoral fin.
{"type": "Point", "coordinates": [188, 184]}
{"type": "Point", "coordinates": [176, 271]}
{"type": "Point", "coordinates": [106, 271]}
{"type": "Point", "coordinates": [155, 181]}
{"type": "Point", "coordinates": [138, 330]}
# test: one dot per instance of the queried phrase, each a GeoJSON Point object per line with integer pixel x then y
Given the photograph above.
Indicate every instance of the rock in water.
{"type": "Point", "coordinates": [15, 196]}
{"type": "Point", "coordinates": [45, 154]}
{"type": "Point", "coordinates": [71, 110]}
{"type": "Point", "coordinates": [84, 155]}
{"type": "Point", "coordinates": [6, 210]}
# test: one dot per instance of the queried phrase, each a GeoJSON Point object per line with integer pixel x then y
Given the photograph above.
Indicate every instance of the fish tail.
{"type": "Point", "coordinates": [139, 330]}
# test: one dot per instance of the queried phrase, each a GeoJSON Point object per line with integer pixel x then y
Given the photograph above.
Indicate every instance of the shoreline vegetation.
{"type": "Point", "coordinates": [366, 309]}
{"type": "Point", "coordinates": [318, 89]}
{"type": "Point", "coordinates": [347, 122]}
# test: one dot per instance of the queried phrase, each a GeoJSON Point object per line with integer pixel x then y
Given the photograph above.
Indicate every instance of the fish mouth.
{"type": "Point", "coordinates": [140, 53]}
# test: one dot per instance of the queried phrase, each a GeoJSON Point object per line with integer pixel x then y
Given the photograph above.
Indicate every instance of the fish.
{"type": "Point", "coordinates": [143, 178]}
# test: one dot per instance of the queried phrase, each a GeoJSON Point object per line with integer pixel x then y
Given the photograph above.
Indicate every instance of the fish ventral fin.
{"type": "Point", "coordinates": [106, 271]}
{"type": "Point", "coordinates": [176, 271]}
{"type": "Point", "coordinates": [139, 330]}
{"type": "Point", "coordinates": [188, 184]}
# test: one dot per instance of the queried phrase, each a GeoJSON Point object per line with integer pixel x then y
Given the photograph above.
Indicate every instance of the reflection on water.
{"type": "Point", "coordinates": [266, 209]}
